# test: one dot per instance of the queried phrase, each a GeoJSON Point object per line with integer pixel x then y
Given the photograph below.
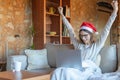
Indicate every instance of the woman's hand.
{"type": "Point", "coordinates": [115, 5]}
{"type": "Point", "coordinates": [60, 9]}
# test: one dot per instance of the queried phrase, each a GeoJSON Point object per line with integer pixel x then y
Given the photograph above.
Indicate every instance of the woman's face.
{"type": "Point", "coordinates": [85, 37]}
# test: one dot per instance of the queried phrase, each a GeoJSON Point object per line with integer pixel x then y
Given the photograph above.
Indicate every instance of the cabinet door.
{"type": "Point", "coordinates": [38, 16]}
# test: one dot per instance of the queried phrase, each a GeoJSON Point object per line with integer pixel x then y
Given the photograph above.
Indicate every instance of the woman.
{"type": "Point", "coordinates": [88, 47]}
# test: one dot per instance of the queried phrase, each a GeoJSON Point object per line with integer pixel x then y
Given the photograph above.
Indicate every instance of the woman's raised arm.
{"type": "Point", "coordinates": [69, 27]}
{"type": "Point", "coordinates": [108, 25]}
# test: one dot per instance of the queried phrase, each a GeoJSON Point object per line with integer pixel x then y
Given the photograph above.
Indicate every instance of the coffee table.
{"type": "Point", "coordinates": [2, 65]}
{"type": "Point", "coordinates": [24, 75]}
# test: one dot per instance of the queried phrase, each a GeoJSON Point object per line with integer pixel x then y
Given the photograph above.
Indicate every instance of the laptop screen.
{"type": "Point", "coordinates": [69, 58]}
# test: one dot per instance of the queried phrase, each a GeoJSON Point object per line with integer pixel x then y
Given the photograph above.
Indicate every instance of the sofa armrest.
{"type": "Point", "coordinates": [108, 59]}
{"type": "Point", "coordinates": [21, 58]}
{"type": "Point", "coordinates": [118, 54]}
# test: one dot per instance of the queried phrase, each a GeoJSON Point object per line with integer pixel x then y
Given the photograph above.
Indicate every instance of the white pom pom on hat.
{"type": "Point", "coordinates": [90, 27]}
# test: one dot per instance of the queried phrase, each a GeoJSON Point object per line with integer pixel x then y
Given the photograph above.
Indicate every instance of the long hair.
{"type": "Point", "coordinates": [92, 36]}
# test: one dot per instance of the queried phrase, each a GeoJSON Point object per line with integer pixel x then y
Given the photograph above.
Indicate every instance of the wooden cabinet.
{"type": "Point", "coordinates": [47, 22]}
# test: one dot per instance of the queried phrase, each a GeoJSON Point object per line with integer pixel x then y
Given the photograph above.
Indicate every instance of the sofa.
{"type": "Point", "coordinates": [107, 60]}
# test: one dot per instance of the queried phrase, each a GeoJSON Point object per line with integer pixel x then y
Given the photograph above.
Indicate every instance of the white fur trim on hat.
{"type": "Point", "coordinates": [87, 28]}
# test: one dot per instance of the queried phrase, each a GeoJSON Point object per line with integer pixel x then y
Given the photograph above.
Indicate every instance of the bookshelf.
{"type": "Point", "coordinates": [47, 22]}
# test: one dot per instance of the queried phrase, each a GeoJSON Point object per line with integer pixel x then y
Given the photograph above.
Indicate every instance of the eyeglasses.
{"type": "Point", "coordinates": [85, 35]}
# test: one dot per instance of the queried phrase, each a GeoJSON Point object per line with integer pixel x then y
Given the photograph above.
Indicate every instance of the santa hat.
{"type": "Point", "coordinates": [88, 26]}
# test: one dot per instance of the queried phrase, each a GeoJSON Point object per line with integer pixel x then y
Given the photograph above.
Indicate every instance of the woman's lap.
{"type": "Point", "coordinates": [71, 74]}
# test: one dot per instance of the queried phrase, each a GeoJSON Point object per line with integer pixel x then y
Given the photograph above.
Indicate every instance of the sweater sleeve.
{"type": "Point", "coordinates": [71, 31]}
{"type": "Point", "coordinates": [100, 43]}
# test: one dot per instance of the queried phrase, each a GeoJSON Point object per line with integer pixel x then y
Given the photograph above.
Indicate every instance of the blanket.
{"type": "Point", "coordinates": [89, 69]}
{"type": "Point", "coordinates": [91, 72]}
{"type": "Point", "coordinates": [106, 76]}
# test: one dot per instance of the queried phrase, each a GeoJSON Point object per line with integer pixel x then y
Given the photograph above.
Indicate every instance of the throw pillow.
{"type": "Point", "coordinates": [108, 59]}
{"type": "Point", "coordinates": [37, 59]}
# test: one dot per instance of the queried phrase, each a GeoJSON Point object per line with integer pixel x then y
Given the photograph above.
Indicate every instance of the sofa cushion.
{"type": "Point", "coordinates": [37, 59]}
{"type": "Point", "coordinates": [52, 49]}
{"type": "Point", "coordinates": [109, 59]}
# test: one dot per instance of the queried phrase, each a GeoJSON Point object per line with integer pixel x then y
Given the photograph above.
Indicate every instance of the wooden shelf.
{"type": "Point", "coordinates": [52, 3]}
{"type": "Point", "coordinates": [44, 21]}
{"type": "Point", "coordinates": [65, 37]}
{"type": "Point", "coordinates": [48, 35]}
{"type": "Point", "coordinates": [52, 14]}
{"type": "Point", "coordinates": [68, 17]}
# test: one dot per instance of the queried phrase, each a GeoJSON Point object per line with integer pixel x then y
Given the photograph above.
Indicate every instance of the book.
{"type": "Point", "coordinates": [66, 11]}
{"type": "Point", "coordinates": [65, 31]}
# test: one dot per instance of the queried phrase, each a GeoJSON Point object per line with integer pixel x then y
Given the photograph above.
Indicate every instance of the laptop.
{"type": "Point", "coordinates": [69, 59]}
